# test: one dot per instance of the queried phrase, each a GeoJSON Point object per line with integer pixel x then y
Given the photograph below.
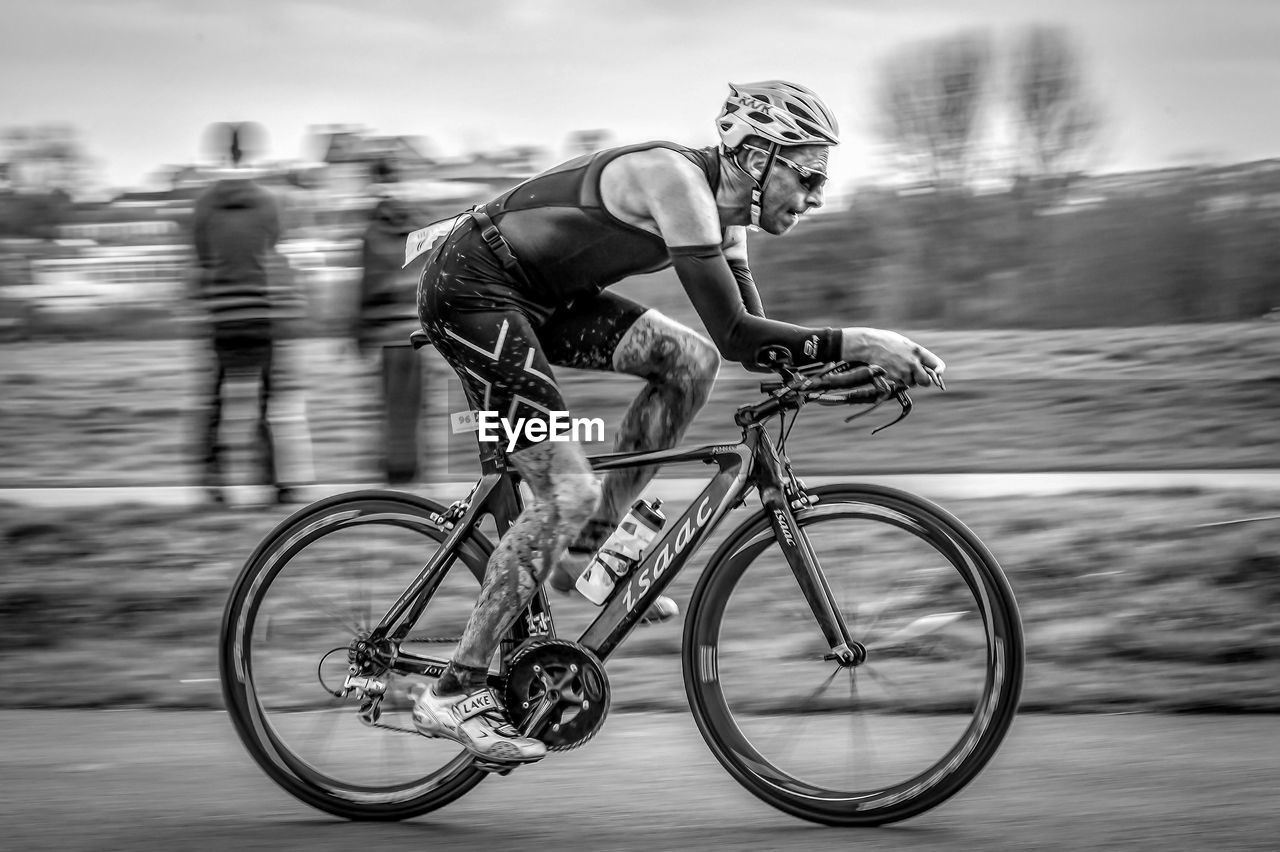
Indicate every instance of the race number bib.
{"type": "Point", "coordinates": [423, 239]}
{"type": "Point", "coordinates": [465, 421]}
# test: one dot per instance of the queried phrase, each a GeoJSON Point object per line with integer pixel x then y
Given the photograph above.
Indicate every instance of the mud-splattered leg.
{"type": "Point", "coordinates": [564, 493]}
{"type": "Point", "coordinates": [680, 367]}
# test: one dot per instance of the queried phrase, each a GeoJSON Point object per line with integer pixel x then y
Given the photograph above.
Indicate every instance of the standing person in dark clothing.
{"type": "Point", "coordinates": [388, 314]}
{"type": "Point", "coordinates": [236, 227]}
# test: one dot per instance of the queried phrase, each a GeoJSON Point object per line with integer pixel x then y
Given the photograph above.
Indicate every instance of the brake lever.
{"type": "Point", "coordinates": [903, 399]}
{"type": "Point", "coordinates": [864, 412]}
{"type": "Point", "coordinates": [892, 391]}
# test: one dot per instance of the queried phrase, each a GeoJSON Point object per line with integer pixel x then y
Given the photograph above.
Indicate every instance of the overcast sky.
{"type": "Point", "coordinates": [1180, 80]}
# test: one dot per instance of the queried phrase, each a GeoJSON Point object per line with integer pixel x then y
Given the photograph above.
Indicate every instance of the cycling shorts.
{"type": "Point", "coordinates": [503, 346]}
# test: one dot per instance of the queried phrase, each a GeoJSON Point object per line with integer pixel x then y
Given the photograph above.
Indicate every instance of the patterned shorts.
{"type": "Point", "coordinates": [503, 346]}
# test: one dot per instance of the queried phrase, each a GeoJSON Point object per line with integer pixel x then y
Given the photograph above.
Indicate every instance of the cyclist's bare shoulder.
{"type": "Point", "coordinates": [662, 192]}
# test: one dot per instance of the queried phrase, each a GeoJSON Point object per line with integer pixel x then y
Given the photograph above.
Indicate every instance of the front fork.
{"type": "Point", "coordinates": [781, 496]}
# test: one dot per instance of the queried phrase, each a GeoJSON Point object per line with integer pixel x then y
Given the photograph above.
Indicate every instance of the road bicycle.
{"type": "Point", "coordinates": [852, 654]}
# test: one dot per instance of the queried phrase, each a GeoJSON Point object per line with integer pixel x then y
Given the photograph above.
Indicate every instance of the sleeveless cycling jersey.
{"type": "Point", "coordinates": [534, 264]}
{"type": "Point", "coordinates": [568, 245]}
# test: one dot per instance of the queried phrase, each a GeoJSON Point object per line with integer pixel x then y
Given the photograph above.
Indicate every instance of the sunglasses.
{"type": "Point", "coordinates": [811, 179]}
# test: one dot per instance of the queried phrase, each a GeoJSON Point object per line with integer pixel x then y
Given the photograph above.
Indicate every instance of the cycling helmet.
{"type": "Point", "coordinates": [778, 111]}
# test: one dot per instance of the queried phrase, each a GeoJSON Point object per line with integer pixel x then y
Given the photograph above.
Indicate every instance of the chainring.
{"type": "Point", "coordinates": [557, 691]}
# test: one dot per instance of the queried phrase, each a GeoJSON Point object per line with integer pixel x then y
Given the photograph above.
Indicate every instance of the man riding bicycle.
{"type": "Point", "coordinates": [519, 284]}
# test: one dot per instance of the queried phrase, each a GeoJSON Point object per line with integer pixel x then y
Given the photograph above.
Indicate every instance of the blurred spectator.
{"type": "Point", "coordinates": [388, 313]}
{"type": "Point", "coordinates": [236, 226]}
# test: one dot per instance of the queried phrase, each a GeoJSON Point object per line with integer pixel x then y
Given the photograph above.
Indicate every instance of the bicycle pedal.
{"type": "Point", "coordinates": [495, 767]}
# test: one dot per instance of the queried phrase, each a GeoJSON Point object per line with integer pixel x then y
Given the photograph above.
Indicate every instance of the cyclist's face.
{"type": "Point", "coordinates": [796, 185]}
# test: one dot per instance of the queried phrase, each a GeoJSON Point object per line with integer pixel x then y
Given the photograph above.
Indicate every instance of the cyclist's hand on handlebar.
{"type": "Point", "coordinates": [903, 359]}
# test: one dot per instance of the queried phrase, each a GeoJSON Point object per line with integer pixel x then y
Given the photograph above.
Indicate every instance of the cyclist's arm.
{"type": "Point", "coordinates": [681, 205]}
{"type": "Point", "coordinates": [735, 251]}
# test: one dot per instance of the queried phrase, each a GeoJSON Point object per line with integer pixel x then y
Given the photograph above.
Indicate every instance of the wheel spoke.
{"type": "Point", "coordinates": [809, 702]}
{"type": "Point", "coordinates": [887, 604]}
{"type": "Point", "coordinates": [324, 722]}
{"type": "Point", "coordinates": [362, 600]}
{"type": "Point", "coordinates": [351, 623]}
{"type": "Point", "coordinates": [861, 751]}
{"type": "Point", "coordinates": [922, 626]}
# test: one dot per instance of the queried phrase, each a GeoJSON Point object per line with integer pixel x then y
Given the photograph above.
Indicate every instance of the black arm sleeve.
{"type": "Point", "coordinates": [704, 272]}
{"type": "Point", "coordinates": [747, 289]}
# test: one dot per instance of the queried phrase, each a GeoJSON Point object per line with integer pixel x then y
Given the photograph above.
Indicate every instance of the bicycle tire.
{"type": "Point", "coordinates": [265, 681]}
{"type": "Point", "coordinates": [918, 564]}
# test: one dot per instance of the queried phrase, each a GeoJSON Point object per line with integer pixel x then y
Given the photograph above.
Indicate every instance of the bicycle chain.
{"type": "Point", "coordinates": [431, 639]}
{"type": "Point", "coordinates": [393, 728]}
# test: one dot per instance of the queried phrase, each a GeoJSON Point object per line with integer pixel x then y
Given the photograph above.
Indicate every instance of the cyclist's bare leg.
{"type": "Point", "coordinates": [461, 706]}
{"type": "Point", "coordinates": [680, 367]}
{"type": "Point", "coordinates": [565, 491]}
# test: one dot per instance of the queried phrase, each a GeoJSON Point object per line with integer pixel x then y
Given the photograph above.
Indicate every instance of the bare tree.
{"type": "Point", "coordinates": [931, 96]}
{"type": "Point", "coordinates": [1056, 121]}
{"type": "Point", "coordinates": [46, 158]}
{"type": "Point", "coordinates": [930, 99]}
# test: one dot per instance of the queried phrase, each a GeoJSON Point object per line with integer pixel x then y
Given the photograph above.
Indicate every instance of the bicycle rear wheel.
{"type": "Point", "coordinates": [894, 736]}
{"type": "Point", "coordinates": [317, 584]}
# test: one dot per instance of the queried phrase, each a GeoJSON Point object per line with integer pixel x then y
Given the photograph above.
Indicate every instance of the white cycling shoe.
{"type": "Point", "coordinates": [476, 720]}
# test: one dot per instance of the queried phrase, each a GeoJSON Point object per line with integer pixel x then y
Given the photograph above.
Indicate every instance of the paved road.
{"type": "Point", "coordinates": [938, 486]}
{"type": "Point", "coordinates": [155, 782]}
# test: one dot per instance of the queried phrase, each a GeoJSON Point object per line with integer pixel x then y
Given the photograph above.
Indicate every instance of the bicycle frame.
{"type": "Point", "coordinates": [754, 462]}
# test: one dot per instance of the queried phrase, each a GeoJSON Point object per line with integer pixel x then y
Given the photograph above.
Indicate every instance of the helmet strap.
{"type": "Point", "coordinates": [757, 191]}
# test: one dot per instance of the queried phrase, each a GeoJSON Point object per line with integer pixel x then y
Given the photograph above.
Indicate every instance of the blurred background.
{"type": "Point", "coordinates": [1077, 206]}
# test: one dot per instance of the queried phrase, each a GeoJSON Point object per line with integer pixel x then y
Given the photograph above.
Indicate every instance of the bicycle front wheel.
{"type": "Point", "coordinates": [317, 585]}
{"type": "Point", "coordinates": [889, 738]}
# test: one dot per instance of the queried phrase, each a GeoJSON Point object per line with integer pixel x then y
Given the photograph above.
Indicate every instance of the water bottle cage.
{"type": "Point", "coordinates": [621, 557]}
{"type": "Point", "coordinates": [454, 513]}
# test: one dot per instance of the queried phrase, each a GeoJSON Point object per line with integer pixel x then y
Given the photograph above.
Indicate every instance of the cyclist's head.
{"type": "Point", "coordinates": [774, 118]}
{"type": "Point", "coordinates": [781, 112]}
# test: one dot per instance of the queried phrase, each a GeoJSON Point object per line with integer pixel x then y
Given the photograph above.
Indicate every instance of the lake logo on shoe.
{"type": "Point", "coordinates": [474, 705]}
